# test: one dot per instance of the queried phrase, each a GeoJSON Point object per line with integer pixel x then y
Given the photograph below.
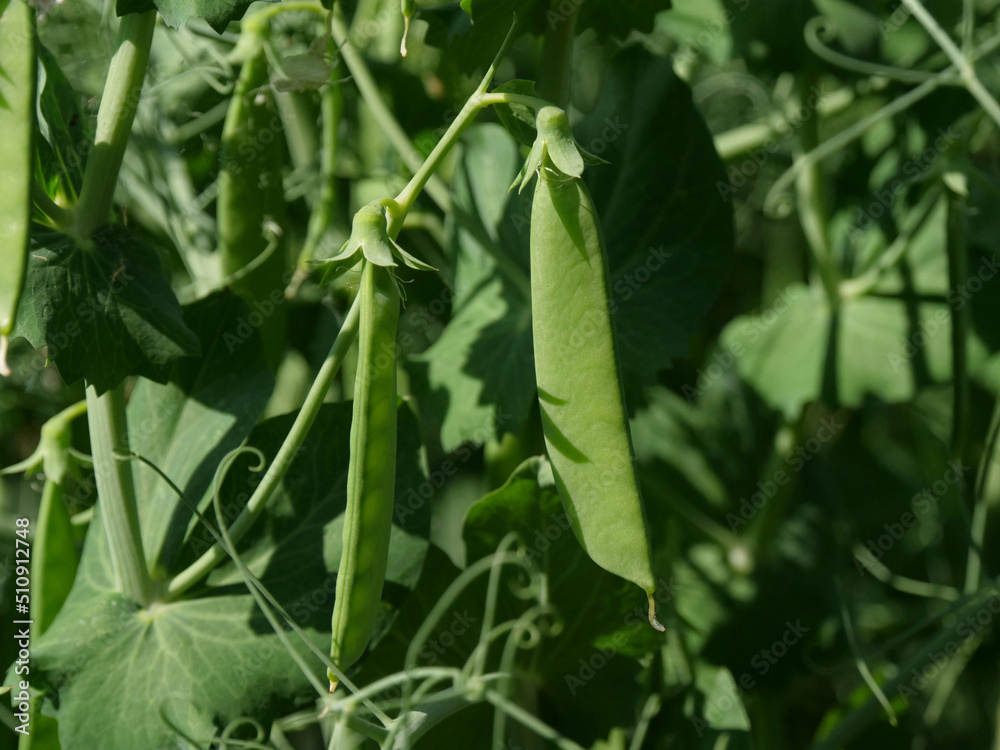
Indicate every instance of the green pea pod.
{"type": "Point", "coordinates": [17, 123]}
{"type": "Point", "coordinates": [579, 388]}
{"type": "Point", "coordinates": [251, 201]}
{"type": "Point", "coordinates": [371, 474]}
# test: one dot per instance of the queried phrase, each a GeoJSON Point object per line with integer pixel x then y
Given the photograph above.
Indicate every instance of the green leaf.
{"type": "Point", "coordinates": [201, 663]}
{"type": "Point", "coordinates": [64, 127]}
{"type": "Point", "coordinates": [205, 661]}
{"type": "Point", "coordinates": [887, 345]}
{"type": "Point", "coordinates": [17, 123]}
{"type": "Point", "coordinates": [718, 716]}
{"type": "Point", "coordinates": [104, 313]}
{"type": "Point", "coordinates": [668, 231]}
{"type": "Point", "coordinates": [872, 347]}
{"type": "Point", "coordinates": [480, 375]}
{"type": "Point", "coordinates": [517, 118]}
{"type": "Point", "coordinates": [186, 426]}
{"type": "Point", "coordinates": [218, 13]}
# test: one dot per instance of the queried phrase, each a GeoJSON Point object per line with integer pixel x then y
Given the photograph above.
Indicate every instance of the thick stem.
{"type": "Point", "coordinates": [282, 461]}
{"type": "Point", "coordinates": [556, 74]}
{"type": "Point", "coordinates": [116, 493]}
{"type": "Point", "coordinates": [122, 91]}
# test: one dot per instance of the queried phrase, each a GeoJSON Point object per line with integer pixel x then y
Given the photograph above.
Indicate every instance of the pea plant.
{"type": "Point", "coordinates": [499, 374]}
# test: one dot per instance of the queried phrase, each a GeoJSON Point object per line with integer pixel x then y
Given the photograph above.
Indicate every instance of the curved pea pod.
{"type": "Point", "coordinates": [371, 472]}
{"type": "Point", "coordinates": [17, 123]}
{"type": "Point", "coordinates": [251, 201]}
{"type": "Point", "coordinates": [579, 388]}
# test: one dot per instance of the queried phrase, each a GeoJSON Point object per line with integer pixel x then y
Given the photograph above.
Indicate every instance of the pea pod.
{"type": "Point", "coordinates": [576, 364]}
{"type": "Point", "coordinates": [17, 123]}
{"type": "Point", "coordinates": [251, 196]}
{"type": "Point", "coordinates": [371, 473]}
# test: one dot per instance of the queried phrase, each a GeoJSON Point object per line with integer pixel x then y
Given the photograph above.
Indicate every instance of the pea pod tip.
{"type": "Point", "coordinates": [657, 625]}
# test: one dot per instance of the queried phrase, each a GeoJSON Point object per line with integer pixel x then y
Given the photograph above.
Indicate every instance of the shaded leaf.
{"type": "Point", "coordinates": [186, 425]}
{"type": "Point", "coordinates": [103, 313]}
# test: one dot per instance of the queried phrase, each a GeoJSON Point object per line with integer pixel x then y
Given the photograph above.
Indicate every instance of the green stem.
{"type": "Point", "coordinates": [914, 222]}
{"type": "Point", "coordinates": [331, 110]}
{"type": "Point", "coordinates": [116, 493]}
{"type": "Point", "coordinates": [556, 74]}
{"type": "Point", "coordinates": [382, 114]}
{"type": "Point", "coordinates": [958, 272]}
{"type": "Point", "coordinates": [423, 174]}
{"type": "Point", "coordinates": [282, 461]}
{"type": "Point", "coordinates": [499, 97]}
{"type": "Point", "coordinates": [476, 103]}
{"type": "Point", "coordinates": [968, 25]}
{"type": "Point", "coordinates": [530, 721]}
{"type": "Point", "coordinates": [973, 567]}
{"type": "Point", "coordinates": [961, 61]}
{"type": "Point", "coordinates": [851, 134]}
{"type": "Point", "coordinates": [813, 210]}
{"type": "Point", "coordinates": [819, 26]}
{"type": "Point", "coordinates": [122, 91]}
{"type": "Point", "coordinates": [739, 141]}
{"type": "Point", "coordinates": [765, 526]}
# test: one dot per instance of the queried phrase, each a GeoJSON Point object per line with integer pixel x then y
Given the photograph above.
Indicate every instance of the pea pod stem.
{"type": "Point", "coordinates": [282, 461]}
